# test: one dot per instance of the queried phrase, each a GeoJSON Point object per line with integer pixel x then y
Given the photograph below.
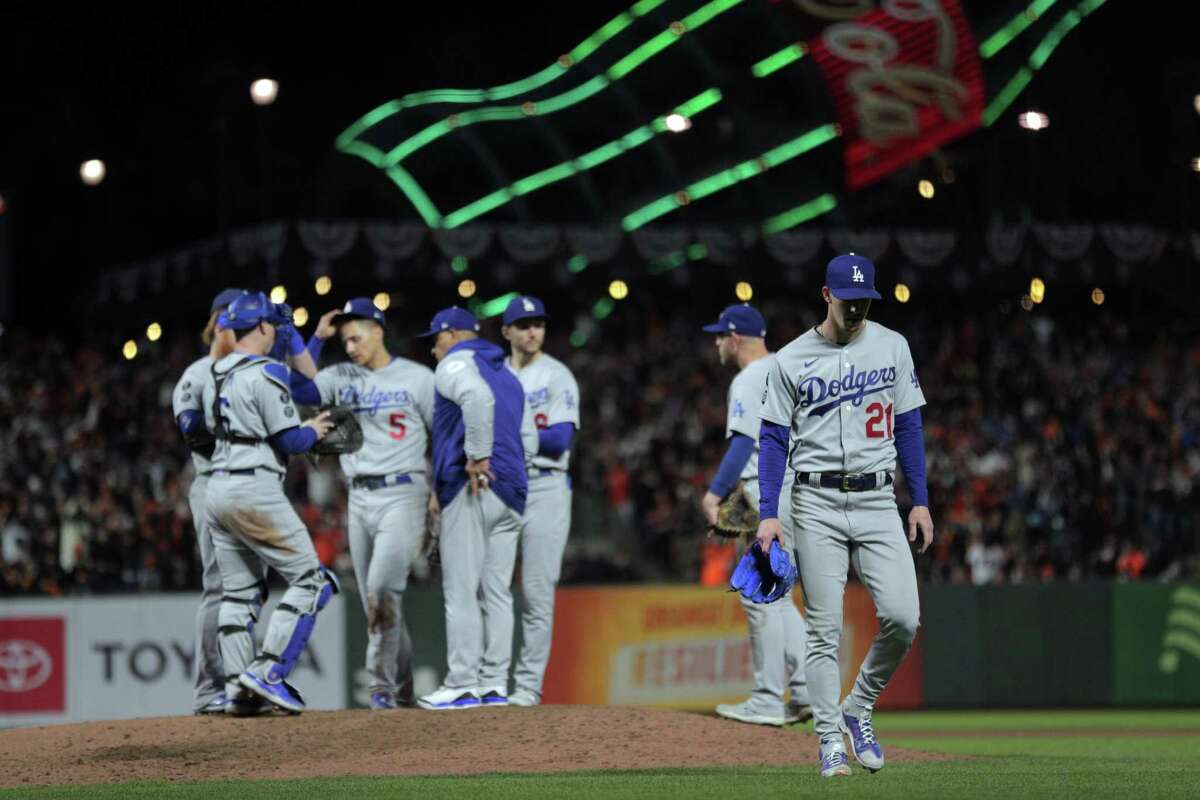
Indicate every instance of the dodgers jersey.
{"type": "Point", "coordinates": [553, 397]}
{"type": "Point", "coordinates": [255, 402]}
{"type": "Point", "coordinates": [840, 401]}
{"type": "Point", "coordinates": [742, 405]}
{"type": "Point", "coordinates": [188, 396]}
{"type": "Point", "coordinates": [394, 406]}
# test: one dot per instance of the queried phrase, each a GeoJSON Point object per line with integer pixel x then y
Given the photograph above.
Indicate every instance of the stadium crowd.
{"type": "Point", "coordinates": [1057, 449]}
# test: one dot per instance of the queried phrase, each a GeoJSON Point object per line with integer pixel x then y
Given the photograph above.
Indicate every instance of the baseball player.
{"type": "Point", "coordinates": [208, 694]}
{"type": "Point", "coordinates": [482, 433]}
{"type": "Point", "coordinates": [389, 493]}
{"type": "Point", "coordinates": [848, 392]}
{"type": "Point", "coordinates": [249, 409]}
{"type": "Point", "coordinates": [553, 398]}
{"type": "Point", "coordinates": [776, 629]}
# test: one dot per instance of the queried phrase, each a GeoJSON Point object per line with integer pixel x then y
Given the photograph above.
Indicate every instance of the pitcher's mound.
{"type": "Point", "coordinates": [404, 742]}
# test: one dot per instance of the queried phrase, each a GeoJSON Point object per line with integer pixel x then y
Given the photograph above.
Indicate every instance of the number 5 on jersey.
{"type": "Point", "coordinates": [876, 414]}
{"type": "Point", "coordinates": [396, 422]}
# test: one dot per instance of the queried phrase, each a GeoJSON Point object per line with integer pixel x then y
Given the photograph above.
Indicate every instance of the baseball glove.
{"type": "Point", "coordinates": [345, 436]}
{"type": "Point", "coordinates": [763, 578]}
{"type": "Point", "coordinates": [737, 515]}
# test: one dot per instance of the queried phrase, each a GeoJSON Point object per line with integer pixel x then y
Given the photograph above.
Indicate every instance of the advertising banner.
{"type": "Point", "coordinates": [1156, 644]}
{"type": "Point", "coordinates": [98, 658]}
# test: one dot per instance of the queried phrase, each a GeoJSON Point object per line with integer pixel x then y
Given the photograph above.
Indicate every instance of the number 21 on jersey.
{"type": "Point", "coordinates": [876, 416]}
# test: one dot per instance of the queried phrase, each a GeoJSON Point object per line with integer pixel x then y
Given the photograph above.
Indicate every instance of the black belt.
{"type": "Point", "coordinates": [247, 471]}
{"type": "Point", "coordinates": [372, 482]}
{"type": "Point", "coordinates": [843, 482]}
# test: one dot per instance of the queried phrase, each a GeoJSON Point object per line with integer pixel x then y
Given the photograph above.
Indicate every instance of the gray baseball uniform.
{"type": "Point", "coordinates": [840, 402]}
{"type": "Point", "coordinates": [209, 680]}
{"type": "Point", "coordinates": [252, 522]}
{"type": "Point", "coordinates": [479, 539]}
{"type": "Point", "coordinates": [777, 631]}
{"type": "Point", "coordinates": [552, 396]}
{"type": "Point", "coordinates": [389, 495]}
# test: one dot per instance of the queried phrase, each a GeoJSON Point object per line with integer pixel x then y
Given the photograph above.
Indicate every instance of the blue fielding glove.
{"type": "Point", "coordinates": [763, 578]}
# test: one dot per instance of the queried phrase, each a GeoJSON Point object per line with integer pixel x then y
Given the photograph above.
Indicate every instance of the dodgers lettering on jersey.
{"type": "Point", "coordinates": [188, 396]}
{"type": "Point", "coordinates": [394, 406]}
{"type": "Point", "coordinates": [742, 405]}
{"type": "Point", "coordinates": [254, 403]}
{"type": "Point", "coordinates": [552, 394]}
{"type": "Point", "coordinates": [841, 401]}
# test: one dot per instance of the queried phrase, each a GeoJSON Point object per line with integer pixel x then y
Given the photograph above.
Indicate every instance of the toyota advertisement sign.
{"type": "Point", "coordinates": [97, 658]}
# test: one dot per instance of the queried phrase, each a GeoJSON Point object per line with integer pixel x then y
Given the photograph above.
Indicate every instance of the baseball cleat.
{"type": "Point", "coordinates": [490, 698]}
{"type": "Point", "coordinates": [382, 701]}
{"type": "Point", "coordinates": [247, 704]}
{"type": "Point", "coordinates": [795, 712]}
{"type": "Point", "coordinates": [216, 705]}
{"type": "Point", "coordinates": [862, 740]}
{"type": "Point", "coordinates": [524, 698]}
{"type": "Point", "coordinates": [742, 712]}
{"type": "Point", "coordinates": [834, 761]}
{"type": "Point", "coordinates": [281, 695]}
{"type": "Point", "coordinates": [447, 699]}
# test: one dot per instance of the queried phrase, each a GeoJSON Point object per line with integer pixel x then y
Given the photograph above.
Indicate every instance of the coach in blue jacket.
{"type": "Point", "coordinates": [483, 436]}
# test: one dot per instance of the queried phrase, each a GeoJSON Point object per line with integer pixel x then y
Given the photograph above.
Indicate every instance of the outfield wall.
{"type": "Point", "coordinates": [1052, 645]}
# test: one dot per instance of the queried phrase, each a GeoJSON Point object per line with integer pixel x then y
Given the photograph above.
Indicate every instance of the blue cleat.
{"type": "Point", "coordinates": [216, 705]}
{"type": "Point", "coordinates": [834, 761]}
{"type": "Point", "coordinates": [281, 695]}
{"type": "Point", "coordinates": [447, 699]}
{"type": "Point", "coordinates": [862, 740]}
{"type": "Point", "coordinates": [382, 700]}
{"type": "Point", "coordinates": [492, 698]}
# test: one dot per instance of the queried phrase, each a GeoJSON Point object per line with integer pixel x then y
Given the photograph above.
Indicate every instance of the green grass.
{"type": "Point", "coordinates": [1076, 765]}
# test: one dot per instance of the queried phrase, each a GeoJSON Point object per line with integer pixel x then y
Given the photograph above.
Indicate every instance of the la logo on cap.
{"type": "Point", "coordinates": [527, 304]}
{"type": "Point", "coordinates": [857, 275]}
{"type": "Point", "coordinates": [348, 307]}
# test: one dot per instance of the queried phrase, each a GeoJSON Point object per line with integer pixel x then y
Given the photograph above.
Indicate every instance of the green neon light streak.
{"type": "Point", "coordinates": [577, 263]}
{"type": "Point", "coordinates": [569, 98]}
{"type": "Point", "coordinates": [1014, 28]}
{"type": "Point", "coordinates": [726, 178]}
{"type": "Point", "coordinates": [566, 169]}
{"type": "Point", "coordinates": [603, 307]}
{"type": "Point", "coordinates": [416, 195]}
{"type": "Point", "coordinates": [1007, 95]}
{"type": "Point", "coordinates": [578, 338]}
{"type": "Point", "coordinates": [459, 264]}
{"type": "Point", "coordinates": [504, 91]}
{"type": "Point", "coordinates": [777, 61]}
{"type": "Point", "coordinates": [800, 214]}
{"type": "Point", "coordinates": [495, 306]}
{"type": "Point", "coordinates": [1017, 83]}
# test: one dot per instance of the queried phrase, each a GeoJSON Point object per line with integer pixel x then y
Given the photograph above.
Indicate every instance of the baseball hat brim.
{"type": "Point", "coordinates": [716, 327]}
{"type": "Point", "coordinates": [338, 319]}
{"type": "Point", "coordinates": [856, 294]}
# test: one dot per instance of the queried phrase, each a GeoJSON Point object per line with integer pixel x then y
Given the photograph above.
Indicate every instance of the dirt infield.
{"type": "Point", "coordinates": [405, 742]}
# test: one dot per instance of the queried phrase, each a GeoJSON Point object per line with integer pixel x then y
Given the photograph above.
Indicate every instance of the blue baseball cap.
{"type": "Point", "coordinates": [251, 308]}
{"type": "Point", "coordinates": [740, 318]}
{"type": "Point", "coordinates": [851, 277]}
{"type": "Point", "coordinates": [524, 307]}
{"type": "Point", "coordinates": [451, 319]}
{"type": "Point", "coordinates": [360, 308]}
{"type": "Point", "coordinates": [226, 297]}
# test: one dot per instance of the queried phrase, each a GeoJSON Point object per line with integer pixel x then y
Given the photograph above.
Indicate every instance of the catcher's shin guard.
{"type": "Point", "coordinates": [239, 611]}
{"type": "Point", "coordinates": [302, 600]}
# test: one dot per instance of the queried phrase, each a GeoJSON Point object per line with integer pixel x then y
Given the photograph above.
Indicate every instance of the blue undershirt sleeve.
{"type": "Point", "coordinates": [772, 463]}
{"type": "Point", "coordinates": [555, 440]}
{"type": "Point", "coordinates": [294, 440]}
{"type": "Point", "coordinates": [910, 451]}
{"type": "Point", "coordinates": [741, 447]}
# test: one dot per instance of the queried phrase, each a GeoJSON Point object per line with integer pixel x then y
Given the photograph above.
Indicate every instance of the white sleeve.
{"type": "Point", "coordinates": [458, 380]}
{"type": "Point", "coordinates": [187, 394]}
{"type": "Point", "coordinates": [745, 400]}
{"type": "Point", "coordinates": [424, 398]}
{"type": "Point", "coordinates": [327, 385]}
{"type": "Point", "coordinates": [778, 397]}
{"type": "Point", "coordinates": [564, 399]}
{"type": "Point", "coordinates": [908, 387]}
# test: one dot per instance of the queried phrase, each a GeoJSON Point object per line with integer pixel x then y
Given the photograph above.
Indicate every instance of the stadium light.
{"type": "Point", "coordinates": [323, 285]}
{"type": "Point", "coordinates": [1196, 164]}
{"type": "Point", "coordinates": [1196, 103]}
{"type": "Point", "coordinates": [278, 294]}
{"type": "Point", "coordinates": [92, 172]}
{"type": "Point", "coordinates": [1098, 296]}
{"type": "Point", "coordinates": [154, 332]}
{"type": "Point", "coordinates": [1027, 302]}
{"type": "Point", "coordinates": [1037, 290]}
{"type": "Point", "coordinates": [466, 288]}
{"type": "Point", "coordinates": [902, 293]}
{"type": "Point", "coordinates": [300, 317]}
{"type": "Point", "coordinates": [459, 264]}
{"type": "Point", "coordinates": [678, 123]}
{"type": "Point", "coordinates": [382, 301]}
{"type": "Point", "coordinates": [744, 291]}
{"type": "Point", "coordinates": [925, 188]}
{"type": "Point", "coordinates": [264, 91]}
{"type": "Point", "coordinates": [618, 290]}
{"type": "Point", "coordinates": [129, 350]}
{"type": "Point", "coordinates": [1033, 120]}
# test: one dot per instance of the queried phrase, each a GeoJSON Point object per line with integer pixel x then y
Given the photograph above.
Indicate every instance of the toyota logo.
{"type": "Point", "coordinates": [24, 665]}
